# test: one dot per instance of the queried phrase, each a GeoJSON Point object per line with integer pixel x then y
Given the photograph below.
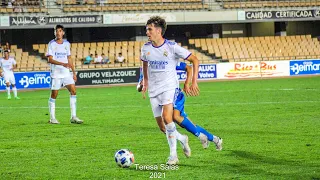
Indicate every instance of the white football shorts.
{"type": "Point", "coordinates": [57, 83]}
{"type": "Point", "coordinates": [158, 101]}
{"type": "Point", "coordinates": [9, 78]}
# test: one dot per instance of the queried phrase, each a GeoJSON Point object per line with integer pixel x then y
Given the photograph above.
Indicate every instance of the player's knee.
{"type": "Point", "coordinates": [54, 94]}
{"type": "Point", "coordinates": [73, 93]}
{"type": "Point", "coordinates": [176, 117]}
{"type": "Point", "coordinates": [167, 117]}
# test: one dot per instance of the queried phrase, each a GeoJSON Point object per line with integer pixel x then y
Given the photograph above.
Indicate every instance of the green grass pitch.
{"type": "Point", "coordinates": [270, 127]}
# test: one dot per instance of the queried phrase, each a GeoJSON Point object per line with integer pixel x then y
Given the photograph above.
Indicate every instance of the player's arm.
{"type": "Point", "coordinates": [145, 77]}
{"type": "Point", "coordinates": [194, 89]}
{"type": "Point", "coordinates": [144, 71]}
{"type": "Point", "coordinates": [70, 62]}
{"type": "Point", "coordinates": [187, 82]}
{"type": "Point", "coordinates": [15, 66]}
{"type": "Point", "coordinates": [52, 61]}
{"type": "Point", "coordinates": [187, 55]}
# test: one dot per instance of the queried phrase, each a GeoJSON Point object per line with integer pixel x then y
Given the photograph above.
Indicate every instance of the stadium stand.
{"type": "Point", "coordinates": [237, 4]}
{"type": "Point", "coordinates": [23, 6]}
{"type": "Point", "coordinates": [208, 50]}
{"type": "Point", "coordinates": [259, 48]}
{"type": "Point", "coordinates": [132, 5]}
{"type": "Point", "coordinates": [27, 62]}
{"type": "Point", "coordinates": [129, 49]}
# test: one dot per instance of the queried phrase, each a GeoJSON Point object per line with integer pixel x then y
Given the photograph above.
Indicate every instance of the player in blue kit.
{"type": "Point", "coordinates": [181, 117]}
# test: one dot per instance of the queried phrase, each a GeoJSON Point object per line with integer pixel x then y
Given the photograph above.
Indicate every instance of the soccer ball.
{"type": "Point", "coordinates": [124, 158]}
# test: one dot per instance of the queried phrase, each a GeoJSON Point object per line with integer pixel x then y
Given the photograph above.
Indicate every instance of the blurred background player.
{"type": "Point", "coordinates": [180, 116]}
{"type": "Point", "coordinates": [160, 58]}
{"type": "Point", "coordinates": [59, 57]}
{"type": "Point", "coordinates": [8, 64]}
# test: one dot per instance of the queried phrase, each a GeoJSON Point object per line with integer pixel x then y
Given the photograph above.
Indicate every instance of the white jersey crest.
{"type": "Point", "coordinates": [162, 62]}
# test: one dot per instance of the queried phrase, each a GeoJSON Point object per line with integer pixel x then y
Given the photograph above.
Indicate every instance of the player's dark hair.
{"type": "Point", "coordinates": [59, 26]}
{"type": "Point", "coordinates": [158, 21]}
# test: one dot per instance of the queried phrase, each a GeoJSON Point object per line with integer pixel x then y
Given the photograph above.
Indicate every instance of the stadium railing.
{"type": "Point", "coordinates": [84, 6]}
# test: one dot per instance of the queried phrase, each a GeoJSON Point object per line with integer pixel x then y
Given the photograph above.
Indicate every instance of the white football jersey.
{"type": "Point", "coordinates": [59, 52]}
{"type": "Point", "coordinates": [162, 62]}
{"type": "Point", "coordinates": [7, 65]}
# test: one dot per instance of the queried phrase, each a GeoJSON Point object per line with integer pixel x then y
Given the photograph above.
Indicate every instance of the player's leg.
{"type": "Point", "coordinates": [8, 90]}
{"type": "Point", "coordinates": [170, 133]}
{"type": "Point", "coordinates": [182, 119]}
{"type": "Point", "coordinates": [161, 124]}
{"type": "Point", "coordinates": [185, 122]}
{"type": "Point", "coordinates": [14, 88]}
{"type": "Point", "coordinates": [15, 91]}
{"type": "Point", "coordinates": [180, 116]}
{"type": "Point", "coordinates": [215, 139]}
{"type": "Point", "coordinates": [183, 139]}
{"type": "Point", "coordinates": [69, 83]}
{"type": "Point", "coordinates": [157, 112]}
{"type": "Point", "coordinates": [7, 80]}
{"type": "Point", "coordinates": [167, 99]}
{"type": "Point", "coordinates": [55, 86]}
{"type": "Point", "coordinates": [52, 106]}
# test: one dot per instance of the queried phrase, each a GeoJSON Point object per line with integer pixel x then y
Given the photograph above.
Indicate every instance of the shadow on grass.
{"type": "Point", "coordinates": [265, 166]}
{"type": "Point", "coordinates": [264, 159]}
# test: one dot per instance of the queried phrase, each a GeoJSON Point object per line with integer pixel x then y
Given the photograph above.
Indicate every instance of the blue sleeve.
{"type": "Point", "coordinates": [181, 66]}
{"type": "Point", "coordinates": [141, 75]}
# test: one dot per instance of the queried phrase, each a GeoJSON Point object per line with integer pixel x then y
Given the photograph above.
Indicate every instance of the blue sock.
{"type": "Point", "coordinates": [186, 123]}
{"type": "Point", "coordinates": [205, 132]}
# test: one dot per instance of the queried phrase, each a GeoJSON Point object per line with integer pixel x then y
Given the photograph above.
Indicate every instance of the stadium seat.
{"type": "Point", "coordinates": [230, 4]}
{"type": "Point", "coordinates": [257, 48]}
{"type": "Point", "coordinates": [132, 5]}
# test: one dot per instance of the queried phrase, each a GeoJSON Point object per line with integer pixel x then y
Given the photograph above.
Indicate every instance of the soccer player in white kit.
{"type": "Point", "coordinates": [59, 57]}
{"type": "Point", "coordinates": [160, 58]}
{"type": "Point", "coordinates": [8, 64]}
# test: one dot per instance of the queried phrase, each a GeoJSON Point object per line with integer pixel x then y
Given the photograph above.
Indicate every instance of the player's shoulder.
{"type": "Point", "coordinates": [52, 41]}
{"type": "Point", "coordinates": [170, 43]}
{"type": "Point", "coordinates": [66, 41]}
{"type": "Point", "coordinates": [147, 44]}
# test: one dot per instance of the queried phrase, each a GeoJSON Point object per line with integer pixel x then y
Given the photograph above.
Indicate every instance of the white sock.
{"type": "Point", "coordinates": [73, 105]}
{"type": "Point", "coordinates": [52, 108]}
{"type": "Point", "coordinates": [8, 90]}
{"type": "Point", "coordinates": [180, 137]}
{"type": "Point", "coordinates": [15, 93]}
{"type": "Point", "coordinates": [172, 138]}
